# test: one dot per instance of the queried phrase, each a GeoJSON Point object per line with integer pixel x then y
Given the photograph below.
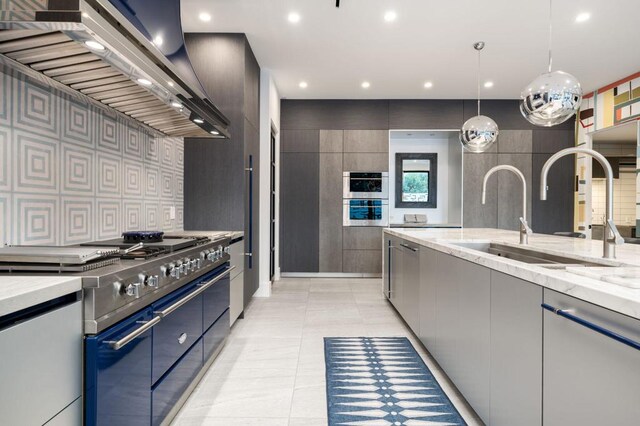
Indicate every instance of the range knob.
{"type": "Point", "coordinates": [227, 249]}
{"type": "Point", "coordinates": [194, 264]}
{"type": "Point", "coordinates": [211, 256]}
{"type": "Point", "coordinates": [133, 290]}
{"type": "Point", "coordinates": [203, 255]}
{"type": "Point", "coordinates": [167, 270]}
{"type": "Point", "coordinates": [198, 263]}
{"type": "Point", "coordinates": [176, 270]}
{"type": "Point", "coordinates": [153, 281]}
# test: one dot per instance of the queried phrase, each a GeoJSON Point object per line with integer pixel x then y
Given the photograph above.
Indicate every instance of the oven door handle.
{"type": "Point", "coordinates": [201, 288]}
{"type": "Point", "coordinates": [116, 345]}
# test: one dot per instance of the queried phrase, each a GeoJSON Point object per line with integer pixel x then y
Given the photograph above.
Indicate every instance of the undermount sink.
{"type": "Point", "coordinates": [529, 255]}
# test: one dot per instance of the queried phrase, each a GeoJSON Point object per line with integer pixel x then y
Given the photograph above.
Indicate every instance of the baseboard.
{"type": "Point", "coordinates": [329, 275]}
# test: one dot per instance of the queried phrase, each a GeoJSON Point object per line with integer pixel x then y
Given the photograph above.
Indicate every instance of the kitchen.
{"type": "Point", "coordinates": [207, 212]}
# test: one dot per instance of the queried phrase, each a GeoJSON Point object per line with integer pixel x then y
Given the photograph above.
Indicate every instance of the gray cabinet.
{"type": "Point", "coordinates": [395, 274]}
{"type": "Point", "coordinates": [463, 327]}
{"type": "Point", "coordinates": [410, 308]}
{"type": "Point", "coordinates": [427, 300]}
{"type": "Point", "coordinates": [516, 351]}
{"type": "Point", "coordinates": [41, 367]}
{"type": "Point", "coordinates": [589, 378]}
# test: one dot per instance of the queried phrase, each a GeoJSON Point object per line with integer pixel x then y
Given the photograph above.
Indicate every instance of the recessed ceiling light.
{"type": "Point", "coordinates": [428, 85]}
{"type": "Point", "coordinates": [85, 15]}
{"type": "Point", "coordinates": [158, 40]}
{"type": "Point", "coordinates": [488, 84]}
{"type": "Point", "coordinates": [92, 44]}
{"type": "Point", "coordinates": [170, 83]}
{"type": "Point", "coordinates": [214, 132]}
{"type": "Point", "coordinates": [390, 16]}
{"type": "Point", "coordinates": [144, 82]}
{"type": "Point", "coordinates": [365, 84]}
{"type": "Point", "coordinates": [204, 17]}
{"type": "Point", "coordinates": [176, 104]}
{"type": "Point", "coordinates": [582, 17]}
{"type": "Point", "coordinates": [303, 85]}
{"type": "Point", "coordinates": [293, 17]}
{"type": "Point", "coordinates": [198, 120]}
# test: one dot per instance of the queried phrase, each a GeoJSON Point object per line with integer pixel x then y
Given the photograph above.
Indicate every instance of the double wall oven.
{"type": "Point", "coordinates": [365, 199]}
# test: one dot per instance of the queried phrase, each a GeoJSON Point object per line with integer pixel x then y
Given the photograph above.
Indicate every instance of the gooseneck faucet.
{"type": "Point", "coordinates": [612, 237]}
{"type": "Point", "coordinates": [525, 231]}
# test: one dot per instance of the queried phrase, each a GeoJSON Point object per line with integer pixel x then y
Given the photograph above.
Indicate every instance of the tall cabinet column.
{"type": "Point", "coordinates": [222, 176]}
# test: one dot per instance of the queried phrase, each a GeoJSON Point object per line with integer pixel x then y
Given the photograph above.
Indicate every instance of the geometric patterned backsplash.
{"type": "Point", "coordinates": [72, 171]}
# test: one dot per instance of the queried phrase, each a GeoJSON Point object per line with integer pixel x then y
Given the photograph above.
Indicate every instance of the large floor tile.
{"type": "Point", "coordinates": [309, 396]}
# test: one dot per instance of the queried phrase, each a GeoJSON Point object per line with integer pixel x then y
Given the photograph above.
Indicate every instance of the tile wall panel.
{"type": "Point", "coordinates": [72, 172]}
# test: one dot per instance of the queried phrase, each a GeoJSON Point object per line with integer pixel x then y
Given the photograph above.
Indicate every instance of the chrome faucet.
{"type": "Point", "coordinates": [612, 237]}
{"type": "Point", "coordinates": [525, 231]}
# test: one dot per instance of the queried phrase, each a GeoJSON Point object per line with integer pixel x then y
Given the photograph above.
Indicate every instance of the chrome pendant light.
{"type": "Point", "coordinates": [553, 97]}
{"type": "Point", "coordinates": [480, 132]}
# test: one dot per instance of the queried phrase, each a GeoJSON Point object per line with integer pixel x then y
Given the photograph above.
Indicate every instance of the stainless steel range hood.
{"type": "Point", "coordinates": [105, 50]}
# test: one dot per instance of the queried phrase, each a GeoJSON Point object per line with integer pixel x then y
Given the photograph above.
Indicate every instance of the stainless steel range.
{"type": "Point", "coordinates": [117, 281]}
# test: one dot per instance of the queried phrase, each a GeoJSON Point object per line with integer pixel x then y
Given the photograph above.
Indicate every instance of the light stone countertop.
{"type": "Point", "coordinates": [208, 233]}
{"type": "Point", "coordinates": [611, 296]}
{"type": "Point", "coordinates": [21, 292]}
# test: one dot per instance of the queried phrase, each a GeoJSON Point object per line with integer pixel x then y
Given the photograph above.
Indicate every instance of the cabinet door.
{"type": "Point", "coordinates": [463, 327]}
{"type": "Point", "coordinates": [41, 366]}
{"type": "Point", "coordinates": [386, 265]}
{"type": "Point", "coordinates": [474, 339]}
{"type": "Point", "coordinates": [427, 300]}
{"type": "Point", "coordinates": [396, 274]}
{"type": "Point", "coordinates": [589, 378]}
{"type": "Point", "coordinates": [516, 351]}
{"type": "Point", "coordinates": [411, 285]}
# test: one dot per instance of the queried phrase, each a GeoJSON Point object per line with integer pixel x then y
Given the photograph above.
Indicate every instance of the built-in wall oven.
{"type": "Point", "coordinates": [365, 212]}
{"type": "Point", "coordinates": [368, 185]}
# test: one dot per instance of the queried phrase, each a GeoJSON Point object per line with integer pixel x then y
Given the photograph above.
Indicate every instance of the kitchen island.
{"type": "Point", "coordinates": [41, 350]}
{"type": "Point", "coordinates": [525, 343]}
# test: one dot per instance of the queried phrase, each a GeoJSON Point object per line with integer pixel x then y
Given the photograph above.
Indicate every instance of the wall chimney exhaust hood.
{"type": "Point", "coordinates": [127, 54]}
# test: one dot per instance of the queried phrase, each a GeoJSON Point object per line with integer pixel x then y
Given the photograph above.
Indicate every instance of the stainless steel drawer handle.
{"type": "Point", "coordinates": [182, 338]}
{"type": "Point", "coordinates": [193, 294]}
{"type": "Point", "coordinates": [409, 247]}
{"type": "Point", "coordinates": [118, 344]}
{"type": "Point", "coordinates": [598, 329]}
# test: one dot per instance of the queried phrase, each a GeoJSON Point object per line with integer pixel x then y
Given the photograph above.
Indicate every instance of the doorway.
{"type": "Point", "coordinates": [272, 210]}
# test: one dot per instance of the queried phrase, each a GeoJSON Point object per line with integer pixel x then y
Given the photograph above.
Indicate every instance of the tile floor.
{"type": "Point", "coordinates": [271, 371]}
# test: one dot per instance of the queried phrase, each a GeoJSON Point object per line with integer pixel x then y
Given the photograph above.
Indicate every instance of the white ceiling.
{"type": "Point", "coordinates": [334, 50]}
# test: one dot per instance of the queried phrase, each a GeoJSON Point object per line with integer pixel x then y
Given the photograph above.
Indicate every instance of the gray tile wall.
{"type": "Point", "coordinates": [72, 172]}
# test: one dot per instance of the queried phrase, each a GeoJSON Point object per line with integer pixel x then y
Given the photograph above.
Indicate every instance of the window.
{"type": "Point", "coordinates": [416, 175]}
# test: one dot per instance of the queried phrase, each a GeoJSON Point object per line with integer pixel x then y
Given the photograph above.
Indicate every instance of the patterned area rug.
{"type": "Point", "coordinates": [380, 381]}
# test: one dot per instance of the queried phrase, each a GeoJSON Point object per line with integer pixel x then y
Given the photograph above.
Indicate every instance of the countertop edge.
{"type": "Point", "coordinates": [610, 296]}
{"type": "Point", "coordinates": [16, 296]}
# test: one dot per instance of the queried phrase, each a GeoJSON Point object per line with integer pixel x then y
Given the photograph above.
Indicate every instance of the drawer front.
{"type": "Point", "coordinates": [214, 337]}
{"type": "Point", "coordinates": [113, 376]}
{"type": "Point", "coordinates": [41, 362]}
{"type": "Point", "coordinates": [167, 392]}
{"type": "Point", "coordinates": [215, 301]}
{"type": "Point", "coordinates": [176, 332]}
{"type": "Point", "coordinates": [237, 258]}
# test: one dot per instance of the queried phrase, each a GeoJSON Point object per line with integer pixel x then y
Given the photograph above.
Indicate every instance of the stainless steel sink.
{"type": "Point", "coordinates": [529, 255]}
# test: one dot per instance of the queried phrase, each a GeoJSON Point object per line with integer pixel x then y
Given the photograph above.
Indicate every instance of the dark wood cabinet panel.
{"type": "Point", "coordinates": [515, 141]}
{"type": "Point", "coordinates": [366, 141]}
{"type": "Point", "coordinates": [300, 141]}
{"type": "Point", "coordinates": [550, 141]}
{"type": "Point", "coordinates": [251, 87]}
{"type": "Point", "coordinates": [476, 214]}
{"type": "Point", "coordinates": [299, 212]}
{"type": "Point", "coordinates": [555, 214]}
{"type": "Point", "coordinates": [425, 114]}
{"type": "Point", "coordinates": [362, 261]}
{"type": "Point", "coordinates": [334, 114]}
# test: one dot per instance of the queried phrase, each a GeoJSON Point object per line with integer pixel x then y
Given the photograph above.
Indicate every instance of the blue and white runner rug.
{"type": "Point", "coordinates": [380, 381]}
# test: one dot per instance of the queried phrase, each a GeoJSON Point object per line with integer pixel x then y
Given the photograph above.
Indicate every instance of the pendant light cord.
{"type": "Point", "coordinates": [478, 81]}
{"type": "Point", "coordinates": [550, 31]}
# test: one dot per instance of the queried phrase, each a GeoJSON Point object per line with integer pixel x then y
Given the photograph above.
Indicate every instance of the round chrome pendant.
{"type": "Point", "coordinates": [479, 133]}
{"type": "Point", "coordinates": [551, 99]}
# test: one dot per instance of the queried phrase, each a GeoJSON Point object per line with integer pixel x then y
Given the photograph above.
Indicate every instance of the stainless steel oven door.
{"type": "Point", "coordinates": [365, 212]}
{"type": "Point", "coordinates": [369, 185]}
